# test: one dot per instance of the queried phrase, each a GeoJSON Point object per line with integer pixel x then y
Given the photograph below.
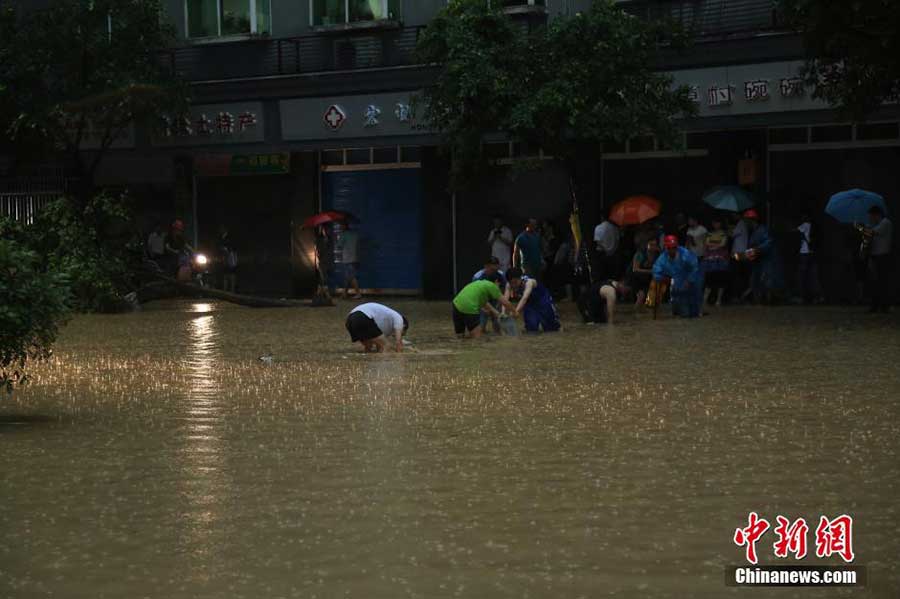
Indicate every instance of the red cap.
{"type": "Point", "coordinates": [751, 214]}
{"type": "Point", "coordinates": [178, 225]}
{"type": "Point", "coordinates": [670, 241]}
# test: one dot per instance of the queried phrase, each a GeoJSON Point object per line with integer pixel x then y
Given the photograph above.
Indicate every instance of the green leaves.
{"type": "Point", "coordinates": [74, 257]}
{"type": "Point", "coordinates": [77, 70]}
{"type": "Point", "coordinates": [565, 87]}
{"type": "Point", "coordinates": [89, 245]}
{"type": "Point", "coordinates": [33, 303]}
{"type": "Point", "coordinates": [853, 51]}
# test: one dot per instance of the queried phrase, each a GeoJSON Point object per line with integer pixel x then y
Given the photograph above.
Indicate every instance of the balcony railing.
{"type": "Point", "coordinates": [370, 48]}
{"type": "Point", "coordinates": [322, 52]}
{"type": "Point", "coordinates": [711, 18]}
{"type": "Point", "coordinates": [23, 196]}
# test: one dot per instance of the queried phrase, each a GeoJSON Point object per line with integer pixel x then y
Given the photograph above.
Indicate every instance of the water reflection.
{"type": "Point", "coordinates": [205, 481]}
{"type": "Point", "coordinates": [202, 308]}
{"type": "Point", "coordinates": [605, 461]}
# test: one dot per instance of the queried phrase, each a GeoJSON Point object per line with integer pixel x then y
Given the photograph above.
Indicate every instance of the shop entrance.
{"type": "Point", "coordinates": [256, 211]}
{"type": "Point", "coordinates": [387, 201]}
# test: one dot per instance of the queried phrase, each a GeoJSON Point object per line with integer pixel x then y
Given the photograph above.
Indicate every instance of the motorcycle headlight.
{"type": "Point", "coordinates": [201, 260]}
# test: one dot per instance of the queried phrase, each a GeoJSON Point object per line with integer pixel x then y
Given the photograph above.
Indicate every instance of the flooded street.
{"type": "Point", "coordinates": [157, 457]}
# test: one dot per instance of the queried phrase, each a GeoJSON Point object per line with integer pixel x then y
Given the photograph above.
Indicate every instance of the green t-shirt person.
{"type": "Point", "coordinates": [475, 295]}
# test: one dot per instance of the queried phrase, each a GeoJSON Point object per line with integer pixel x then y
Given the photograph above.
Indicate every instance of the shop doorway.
{"type": "Point", "coordinates": [257, 213]}
{"type": "Point", "coordinates": [387, 200]}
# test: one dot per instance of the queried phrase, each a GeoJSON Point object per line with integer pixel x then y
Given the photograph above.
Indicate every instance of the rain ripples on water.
{"type": "Point", "coordinates": [157, 456]}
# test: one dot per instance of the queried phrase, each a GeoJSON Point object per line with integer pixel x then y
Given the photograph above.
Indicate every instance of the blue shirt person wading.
{"type": "Point", "coordinates": [681, 266]}
{"type": "Point", "coordinates": [535, 302]}
{"type": "Point", "coordinates": [766, 275]}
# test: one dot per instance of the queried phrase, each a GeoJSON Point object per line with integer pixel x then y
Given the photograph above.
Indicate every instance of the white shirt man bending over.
{"type": "Point", "coordinates": [372, 324]}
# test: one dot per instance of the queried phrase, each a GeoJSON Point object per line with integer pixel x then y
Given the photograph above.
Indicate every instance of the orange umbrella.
{"type": "Point", "coordinates": [634, 210]}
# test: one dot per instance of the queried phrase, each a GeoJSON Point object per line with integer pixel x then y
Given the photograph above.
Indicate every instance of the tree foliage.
{"type": "Point", "coordinates": [94, 244]}
{"type": "Point", "coordinates": [33, 304]}
{"type": "Point", "coordinates": [79, 73]}
{"type": "Point", "coordinates": [853, 50]}
{"type": "Point", "coordinates": [74, 257]}
{"type": "Point", "coordinates": [565, 87]}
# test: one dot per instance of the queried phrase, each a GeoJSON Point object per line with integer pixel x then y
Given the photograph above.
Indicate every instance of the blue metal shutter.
{"type": "Point", "coordinates": [388, 204]}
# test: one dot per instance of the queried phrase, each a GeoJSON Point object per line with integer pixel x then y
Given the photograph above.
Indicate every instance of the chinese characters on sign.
{"type": "Point", "coordinates": [260, 164]}
{"type": "Point", "coordinates": [372, 114]}
{"type": "Point", "coordinates": [832, 537]}
{"type": "Point", "coordinates": [756, 91]}
{"type": "Point", "coordinates": [792, 87]}
{"type": "Point", "coordinates": [720, 96]}
{"type": "Point", "coordinates": [403, 112]}
{"type": "Point", "coordinates": [177, 127]}
{"type": "Point", "coordinates": [225, 165]}
{"type": "Point", "coordinates": [335, 116]}
{"type": "Point", "coordinates": [694, 93]}
{"type": "Point", "coordinates": [223, 124]}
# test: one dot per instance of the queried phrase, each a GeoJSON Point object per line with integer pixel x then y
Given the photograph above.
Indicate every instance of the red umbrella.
{"type": "Point", "coordinates": [329, 216]}
{"type": "Point", "coordinates": [634, 210]}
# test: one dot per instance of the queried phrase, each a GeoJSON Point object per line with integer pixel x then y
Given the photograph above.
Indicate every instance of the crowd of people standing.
{"type": "Point", "coordinates": [690, 262]}
{"type": "Point", "coordinates": [736, 255]}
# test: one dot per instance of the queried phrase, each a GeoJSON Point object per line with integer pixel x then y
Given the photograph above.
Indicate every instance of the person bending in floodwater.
{"type": "Point", "coordinates": [491, 272]}
{"type": "Point", "coordinates": [471, 301]}
{"type": "Point", "coordinates": [680, 265]}
{"type": "Point", "coordinates": [372, 324]}
{"type": "Point", "coordinates": [597, 304]}
{"type": "Point", "coordinates": [535, 302]}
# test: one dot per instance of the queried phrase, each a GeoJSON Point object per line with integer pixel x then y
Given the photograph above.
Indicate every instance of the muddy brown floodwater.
{"type": "Point", "coordinates": [156, 457]}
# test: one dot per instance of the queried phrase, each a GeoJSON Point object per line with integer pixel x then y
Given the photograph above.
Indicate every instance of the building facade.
{"type": "Point", "coordinates": [304, 105]}
{"type": "Point", "coordinates": [301, 106]}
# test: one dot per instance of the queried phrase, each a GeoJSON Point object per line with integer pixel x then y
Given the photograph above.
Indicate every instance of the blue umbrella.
{"type": "Point", "coordinates": [852, 206]}
{"type": "Point", "coordinates": [730, 198]}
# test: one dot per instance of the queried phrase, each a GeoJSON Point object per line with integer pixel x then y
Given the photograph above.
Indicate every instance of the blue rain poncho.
{"type": "Point", "coordinates": [687, 280]}
{"type": "Point", "coordinates": [767, 273]}
{"type": "Point", "coordinates": [683, 268]}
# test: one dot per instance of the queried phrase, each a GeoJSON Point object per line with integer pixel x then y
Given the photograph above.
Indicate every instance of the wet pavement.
{"type": "Point", "coordinates": [156, 456]}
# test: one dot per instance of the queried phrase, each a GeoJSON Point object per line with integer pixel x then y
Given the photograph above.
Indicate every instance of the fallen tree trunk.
{"type": "Point", "coordinates": [167, 288]}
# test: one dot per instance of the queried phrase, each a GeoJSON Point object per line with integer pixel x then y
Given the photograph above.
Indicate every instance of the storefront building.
{"type": "Point", "coordinates": [307, 105]}
{"type": "Point", "coordinates": [298, 107]}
